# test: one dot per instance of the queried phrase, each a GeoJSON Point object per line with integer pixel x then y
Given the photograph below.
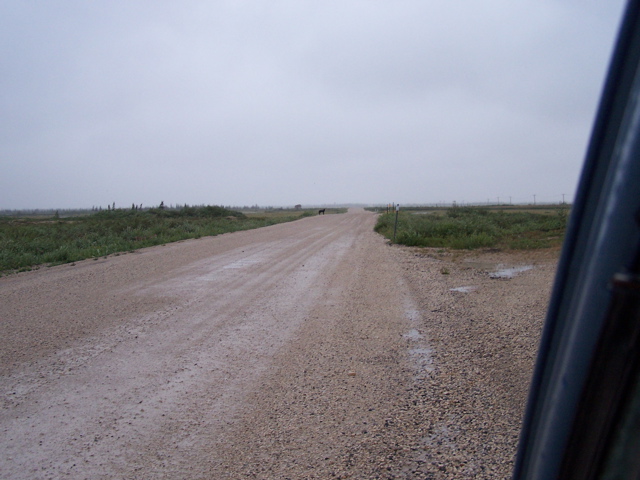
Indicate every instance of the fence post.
{"type": "Point", "coordinates": [395, 226]}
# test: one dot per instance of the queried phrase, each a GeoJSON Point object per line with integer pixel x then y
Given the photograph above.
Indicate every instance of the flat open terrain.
{"type": "Point", "coordinates": [310, 349]}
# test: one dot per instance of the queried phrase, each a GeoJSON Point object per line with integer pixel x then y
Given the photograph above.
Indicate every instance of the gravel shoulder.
{"type": "Point", "coordinates": [482, 314]}
{"type": "Point", "coordinates": [304, 350]}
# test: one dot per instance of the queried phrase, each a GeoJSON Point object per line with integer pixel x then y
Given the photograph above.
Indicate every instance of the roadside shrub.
{"type": "Point", "coordinates": [471, 227]}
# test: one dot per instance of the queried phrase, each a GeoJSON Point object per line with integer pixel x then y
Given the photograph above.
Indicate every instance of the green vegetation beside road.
{"type": "Point", "coordinates": [28, 242]}
{"type": "Point", "coordinates": [476, 227]}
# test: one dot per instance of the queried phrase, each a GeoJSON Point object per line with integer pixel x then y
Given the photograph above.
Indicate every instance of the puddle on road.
{"type": "Point", "coordinates": [498, 270]}
{"type": "Point", "coordinates": [495, 271]}
{"type": "Point", "coordinates": [413, 334]}
{"type": "Point", "coordinates": [423, 359]}
{"type": "Point", "coordinates": [240, 264]}
{"type": "Point", "coordinates": [467, 289]}
{"type": "Point", "coordinates": [481, 265]}
{"type": "Point", "coordinates": [419, 350]}
{"type": "Point", "coordinates": [510, 272]}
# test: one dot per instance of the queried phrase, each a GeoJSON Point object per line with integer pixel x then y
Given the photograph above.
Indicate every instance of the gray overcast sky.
{"type": "Point", "coordinates": [285, 102]}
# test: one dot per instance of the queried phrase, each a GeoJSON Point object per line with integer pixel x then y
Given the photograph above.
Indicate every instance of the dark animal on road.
{"type": "Point", "coordinates": [321, 212]}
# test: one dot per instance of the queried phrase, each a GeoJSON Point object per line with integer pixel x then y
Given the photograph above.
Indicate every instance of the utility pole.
{"type": "Point", "coordinates": [563, 198]}
{"type": "Point", "coordinates": [534, 199]}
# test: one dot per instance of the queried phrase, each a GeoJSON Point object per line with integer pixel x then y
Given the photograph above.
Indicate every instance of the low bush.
{"type": "Point", "coordinates": [471, 228]}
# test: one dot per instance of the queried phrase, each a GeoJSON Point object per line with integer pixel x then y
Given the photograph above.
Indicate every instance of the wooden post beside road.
{"type": "Point", "coordinates": [395, 226]}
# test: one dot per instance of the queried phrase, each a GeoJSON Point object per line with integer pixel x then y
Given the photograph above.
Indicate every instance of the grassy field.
{"type": "Point", "coordinates": [477, 227]}
{"type": "Point", "coordinates": [26, 243]}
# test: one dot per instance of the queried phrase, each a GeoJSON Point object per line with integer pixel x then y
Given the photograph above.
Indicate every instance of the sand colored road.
{"type": "Point", "coordinates": [139, 365]}
{"type": "Point", "coordinates": [293, 351]}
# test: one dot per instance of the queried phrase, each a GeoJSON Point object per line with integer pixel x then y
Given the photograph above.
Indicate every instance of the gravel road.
{"type": "Point", "coordinates": [310, 349]}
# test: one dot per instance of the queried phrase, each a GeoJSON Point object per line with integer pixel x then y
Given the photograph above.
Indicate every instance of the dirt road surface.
{"type": "Point", "coordinates": [311, 349]}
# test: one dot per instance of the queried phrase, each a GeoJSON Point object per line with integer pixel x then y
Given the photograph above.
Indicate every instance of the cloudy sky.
{"type": "Point", "coordinates": [277, 102]}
